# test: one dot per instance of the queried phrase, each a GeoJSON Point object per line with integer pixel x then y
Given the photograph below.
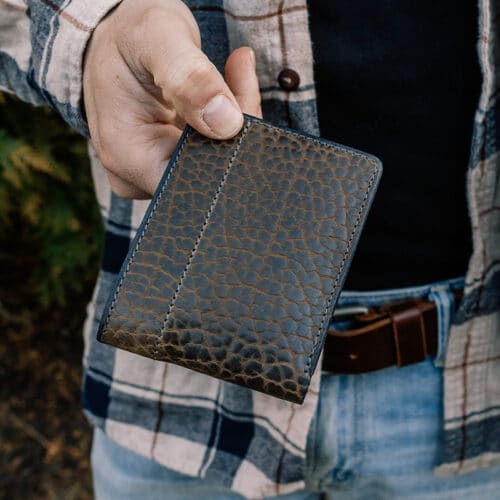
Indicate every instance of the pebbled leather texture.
{"type": "Point", "coordinates": [240, 258]}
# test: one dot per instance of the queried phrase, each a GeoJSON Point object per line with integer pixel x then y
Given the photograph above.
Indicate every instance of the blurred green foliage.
{"type": "Point", "coordinates": [50, 228]}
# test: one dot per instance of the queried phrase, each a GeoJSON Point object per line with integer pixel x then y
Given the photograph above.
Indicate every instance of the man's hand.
{"type": "Point", "coordinates": [145, 77]}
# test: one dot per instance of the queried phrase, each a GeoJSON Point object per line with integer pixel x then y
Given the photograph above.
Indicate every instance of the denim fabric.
{"type": "Point", "coordinates": [374, 436]}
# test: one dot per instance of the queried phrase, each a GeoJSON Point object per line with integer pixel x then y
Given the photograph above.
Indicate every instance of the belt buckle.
{"type": "Point", "coordinates": [349, 311]}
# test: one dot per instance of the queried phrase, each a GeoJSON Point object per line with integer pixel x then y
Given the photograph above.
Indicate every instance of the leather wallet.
{"type": "Point", "coordinates": [238, 263]}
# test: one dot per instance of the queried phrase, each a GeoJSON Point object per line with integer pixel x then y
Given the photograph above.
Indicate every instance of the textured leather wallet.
{"type": "Point", "coordinates": [238, 263]}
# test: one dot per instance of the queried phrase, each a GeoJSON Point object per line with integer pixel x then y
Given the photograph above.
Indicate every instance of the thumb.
{"type": "Point", "coordinates": [191, 84]}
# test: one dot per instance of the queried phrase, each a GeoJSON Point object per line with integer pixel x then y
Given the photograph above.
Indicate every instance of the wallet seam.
{"type": "Point", "coordinates": [322, 143]}
{"type": "Point", "coordinates": [139, 240]}
{"type": "Point", "coordinates": [335, 283]}
{"type": "Point", "coordinates": [211, 210]}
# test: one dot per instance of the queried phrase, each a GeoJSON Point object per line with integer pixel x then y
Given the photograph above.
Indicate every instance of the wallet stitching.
{"type": "Point", "coordinates": [344, 260]}
{"type": "Point", "coordinates": [372, 162]}
{"type": "Point", "coordinates": [323, 144]}
{"type": "Point", "coordinates": [153, 210]}
{"type": "Point", "coordinates": [211, 210]}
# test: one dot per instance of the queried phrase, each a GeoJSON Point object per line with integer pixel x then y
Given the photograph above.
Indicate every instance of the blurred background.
{"type": "Point", "coordinates": [50, 244]}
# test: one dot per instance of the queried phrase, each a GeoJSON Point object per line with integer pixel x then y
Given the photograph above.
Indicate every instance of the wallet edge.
{"type": "Point", "coordinates": [341, 275]}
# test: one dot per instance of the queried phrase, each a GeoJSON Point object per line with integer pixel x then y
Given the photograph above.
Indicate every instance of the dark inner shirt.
{"type": "Point", "coordinates": [400, 79]}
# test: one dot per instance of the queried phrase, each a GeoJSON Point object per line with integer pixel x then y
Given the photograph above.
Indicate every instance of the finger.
{"type": "Point", "coordinates": [242, 80]}
{"type": "Point", "coordinates": [190, 81]}
{"type": "Point", "coordinates": [125, 189]}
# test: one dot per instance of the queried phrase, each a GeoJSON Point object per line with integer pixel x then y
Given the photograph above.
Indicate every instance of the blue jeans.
{"type": "Point", "coordinates": [374, 436]}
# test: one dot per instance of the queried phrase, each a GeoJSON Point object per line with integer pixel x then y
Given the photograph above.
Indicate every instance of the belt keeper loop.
{"type": "Point", "coordinates": [409, 335]}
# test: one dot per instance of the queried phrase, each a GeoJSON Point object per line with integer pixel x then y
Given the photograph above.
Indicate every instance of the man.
{"type": "Point", "coordinates": [152, 66]}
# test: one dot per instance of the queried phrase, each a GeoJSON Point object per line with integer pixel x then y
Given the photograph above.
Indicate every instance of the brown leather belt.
{"type": "Point", "coordinates": [398, 334]}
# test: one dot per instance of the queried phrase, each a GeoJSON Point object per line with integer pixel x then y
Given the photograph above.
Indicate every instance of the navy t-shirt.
{"type": "Point", "coordinates": [400, 79]}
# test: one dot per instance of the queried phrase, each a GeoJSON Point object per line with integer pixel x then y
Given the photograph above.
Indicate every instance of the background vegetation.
{"type": "Point", "coordinates": [50, 243]}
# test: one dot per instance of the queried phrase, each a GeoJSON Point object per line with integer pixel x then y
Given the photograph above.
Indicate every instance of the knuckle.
{"type": "Point", "coordinates": [188, 74]}
{"type": "Point", "coordinates": [106, 157]}
{"type": "Point", "coordinates": [119, 190]}
{"type": "Point", "coordinates": [145, 23]}
{"type": "Point", "coordinates": [107, 150]}
{"type": "Point", "coordinates": [120, 187]}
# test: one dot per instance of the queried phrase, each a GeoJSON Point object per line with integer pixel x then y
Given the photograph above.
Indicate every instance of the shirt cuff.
{"type": "Point", "coordinates": [64, 49]}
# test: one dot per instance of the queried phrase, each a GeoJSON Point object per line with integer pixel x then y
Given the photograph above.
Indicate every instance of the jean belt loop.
{"type": "Point", "coordinates": [445, 304]}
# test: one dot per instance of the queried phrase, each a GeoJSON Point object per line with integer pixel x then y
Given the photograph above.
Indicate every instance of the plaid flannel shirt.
{"type": "Point", "coordinates": [201, 426]}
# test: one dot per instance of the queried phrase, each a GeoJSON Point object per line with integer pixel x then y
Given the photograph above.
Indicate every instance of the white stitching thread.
{"type": "Point", "coordinates": [358, 219]}
{"type": "Point", "coordinates": [344, 149]}
{"type": "Point", "coordinates": [344, 259]}
{"type": "Point", "coordinates": [200, 235]}
{"type": "Point", "coordinates": [349, 243]}
{"type": "Point", "coordinates": [129, 263]}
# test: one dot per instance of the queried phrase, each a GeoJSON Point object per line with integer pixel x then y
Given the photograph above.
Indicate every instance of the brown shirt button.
{"type": "Point", "coordinates": [289, 79]}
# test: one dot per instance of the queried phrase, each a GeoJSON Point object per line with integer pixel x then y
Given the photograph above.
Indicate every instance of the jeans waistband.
{"type": "Point", "coordinates": [349, 298]}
